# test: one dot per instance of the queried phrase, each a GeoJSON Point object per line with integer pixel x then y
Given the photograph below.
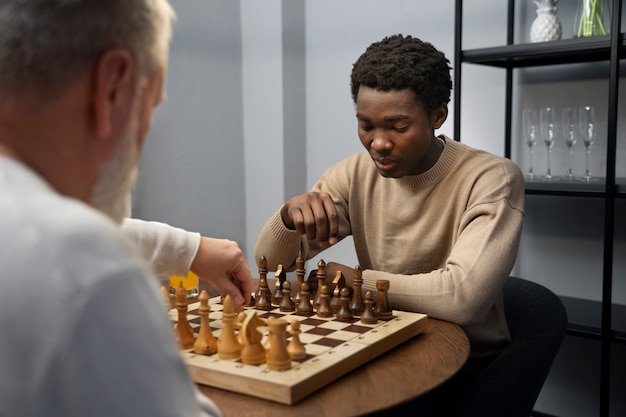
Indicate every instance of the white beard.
{"type": "Point", "coordinates": [112, 191]}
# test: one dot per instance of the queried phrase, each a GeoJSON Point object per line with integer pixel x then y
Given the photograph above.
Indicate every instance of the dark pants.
{"type": "Point", "coordinates": [440, 402]}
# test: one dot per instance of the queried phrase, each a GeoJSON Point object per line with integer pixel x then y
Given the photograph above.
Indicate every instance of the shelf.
{"type": "Point", "coordinates": [577, 187]}
{"type": "Point", "coordinates": [594, 188]}
{"type": "Point", "coordinates": [585, 317]}
{"type": "Point", "coordinates": [565, 51]}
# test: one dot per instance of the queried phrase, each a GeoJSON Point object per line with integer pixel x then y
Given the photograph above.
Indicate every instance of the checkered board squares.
{"type": "Point", "coordinates": [333, 349]}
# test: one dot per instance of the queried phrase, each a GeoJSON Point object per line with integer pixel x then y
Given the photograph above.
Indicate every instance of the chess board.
{"type": "Point", "coordinates": [333, 348]}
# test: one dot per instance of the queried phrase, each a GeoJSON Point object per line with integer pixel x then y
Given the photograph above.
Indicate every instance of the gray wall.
{"type": "Point", "coordinates": [192, 171]}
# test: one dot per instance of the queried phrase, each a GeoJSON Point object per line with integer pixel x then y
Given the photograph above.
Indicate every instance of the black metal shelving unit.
{"type": "Point", "coordinates": [610, 48]}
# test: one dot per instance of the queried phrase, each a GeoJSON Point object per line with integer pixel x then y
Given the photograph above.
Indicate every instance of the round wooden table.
{"type": "Point", "coordinates": [401, 374]}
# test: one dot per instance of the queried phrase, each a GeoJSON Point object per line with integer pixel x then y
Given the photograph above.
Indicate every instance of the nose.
{"type": "Point", "coordinates": [381, 144]}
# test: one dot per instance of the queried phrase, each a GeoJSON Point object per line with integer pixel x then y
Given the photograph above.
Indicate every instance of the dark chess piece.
{"type": "Point", "coordinates": [338, 283]}
{"type": "Point", "coordinates": [324, 309]}
{"type": "Point", "coordinates": [286, 304]}
{"type": "Point", "coordinates": [343, 312]}
{"type": "Point", "coordinates": [281, 277]}
{"type": "Point", "coordinates": [356, 304]}
{"type": "Point", "coordinates": [299, 277]}
{"type": "Point", "coordinates": [382, 309]}
{"type": "Point", "coordinates": [321, 278]}
{"type": "Point", "coordinates": [368, 316]}
{"type": "Point", "coordinates": [263, 294]}
{"type": "Point", "coordinates": [304, 307]}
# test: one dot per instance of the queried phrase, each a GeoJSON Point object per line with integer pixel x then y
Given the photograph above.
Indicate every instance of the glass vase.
{"type": "Point", "coordinates": [592, 18]}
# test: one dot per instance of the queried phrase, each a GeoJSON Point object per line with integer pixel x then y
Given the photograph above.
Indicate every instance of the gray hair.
{"type": "Point", "coordinates": [46, 44]}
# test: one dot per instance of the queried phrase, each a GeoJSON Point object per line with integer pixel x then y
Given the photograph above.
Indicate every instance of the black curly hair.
{"type": "Point", "coordinates": [399, 62]}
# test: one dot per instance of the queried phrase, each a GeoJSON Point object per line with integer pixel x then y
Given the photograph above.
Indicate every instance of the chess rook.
{"type": "Point", "coordinates": [278, 358]}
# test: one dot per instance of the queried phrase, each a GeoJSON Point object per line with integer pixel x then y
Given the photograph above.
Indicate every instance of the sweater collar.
{"type": "Point", "coordinates": [438, 171]}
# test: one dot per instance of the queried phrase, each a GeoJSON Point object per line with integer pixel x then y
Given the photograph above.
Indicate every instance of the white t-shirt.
{"type": "Point", "coordinates": [83, 327]}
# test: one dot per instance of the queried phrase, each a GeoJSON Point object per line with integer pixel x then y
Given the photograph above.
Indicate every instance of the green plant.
{"type": "Point", "coordinates": [591, 18]}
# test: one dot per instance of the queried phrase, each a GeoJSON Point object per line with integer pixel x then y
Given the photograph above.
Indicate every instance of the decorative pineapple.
{"type": "Point", "coordinates": [546, 26]}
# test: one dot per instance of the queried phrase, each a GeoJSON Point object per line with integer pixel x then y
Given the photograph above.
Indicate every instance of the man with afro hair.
{"type": "Point", "coordinates": [439, 220]}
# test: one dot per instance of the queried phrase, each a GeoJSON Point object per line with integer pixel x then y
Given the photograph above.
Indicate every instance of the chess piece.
{"type": "Point", "coordinates": [286, 303]}
{"type": "Point", "coordinates": [356, 304]}
{"type": "Point", "coordinates": [324, 309]}
{"type": "Point", "coordinates": [295, 347]}
{"type": "Point", "coordinates": [343, 312]}
{"type": "Point", "coordinates": [267, 341]}
{"type": "Point", "coordinates": [228, 347]}
{"type": "Point", "coordinates": [368, 316]}
{"type": "Point", "coordinates": [263, 295]}
{"type": "Point", "coordinates": [299, 277]}
{"type": "Point", "coordinates": [281, 277]}
{"type": "Point", "coordinates": [241, 317]}
{"type": "Point", "coordinates": [321, 278]}
{"type": "Point", "coordinates": [205, 343]}
{"type": "Point", "coordinates": [304, 307]}
{"type": "Point", "coordinates": [184, 331]}
{"type": "Point", "coordinates": [166, 297]}
{"type": "Point", "coordinates": [382, 309]}
{"type": "Point", "coordinates": [277, 357]}
{"type": "Point", "coordinates": [338, 283]}
{"type": "Point", "coordinates": [253, 352]}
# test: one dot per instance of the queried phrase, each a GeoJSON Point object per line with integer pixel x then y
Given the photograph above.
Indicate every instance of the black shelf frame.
{"type": "Point", "coordinates": [610, 48]}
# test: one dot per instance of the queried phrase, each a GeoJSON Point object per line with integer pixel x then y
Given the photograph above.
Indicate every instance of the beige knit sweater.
{"type": "Point", "coordinates": [446, 239]}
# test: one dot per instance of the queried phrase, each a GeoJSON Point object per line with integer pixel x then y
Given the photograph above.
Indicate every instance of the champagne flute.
{"type": "Point", "coordinates": [547, 127]}
{"type": "Point", "coordinates": [587, 122]}
{"type": "Point", "coordinates": [530, 126]}
{"type": "Point", "coordinates": [570, 129]}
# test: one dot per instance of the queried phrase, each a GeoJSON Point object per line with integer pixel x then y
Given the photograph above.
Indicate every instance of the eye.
{"type": "Point", "coordinates": [366, 128]}
{"type": "Point", "coordinates": [401, 129]}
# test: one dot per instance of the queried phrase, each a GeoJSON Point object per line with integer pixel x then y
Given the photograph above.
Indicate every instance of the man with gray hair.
{"type": "Point", "coordinates": [84, 331]}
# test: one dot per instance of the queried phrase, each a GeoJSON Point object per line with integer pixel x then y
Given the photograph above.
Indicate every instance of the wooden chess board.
{"type": "Point", "coordinates": [333, 348]}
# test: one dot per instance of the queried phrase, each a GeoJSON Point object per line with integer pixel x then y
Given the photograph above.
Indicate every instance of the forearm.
{"type": "Point", "coordinates": [469, 282]}
{"type": "Point", "coordinates": [278, 244]}
{"type": "Point", "coordinates": [168, 249]}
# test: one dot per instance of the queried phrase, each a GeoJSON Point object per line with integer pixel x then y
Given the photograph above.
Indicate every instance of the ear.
{"type": "Point", "coordinates": [113, 90]}
{"type": "Point", "coordinates": [440, 114]}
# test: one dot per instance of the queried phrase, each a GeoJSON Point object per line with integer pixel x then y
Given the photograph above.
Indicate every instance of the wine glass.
{"type": "Point", "coordinates": [547, 127]}
{"type": "Point", "coordinates": [587, 122]}
{"type": "Point", "coordinates": [570, 129]}
{"type": "Point", "coordinates": [530, 126]}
